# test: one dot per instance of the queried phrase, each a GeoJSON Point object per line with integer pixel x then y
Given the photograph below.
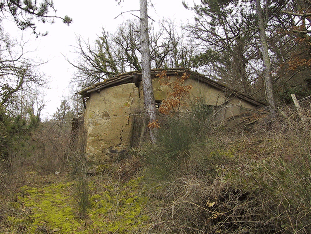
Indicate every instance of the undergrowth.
{"type": "Point", "coordinates": [240, 179]}
{"type": "Point", "coordinates": [251, 177]}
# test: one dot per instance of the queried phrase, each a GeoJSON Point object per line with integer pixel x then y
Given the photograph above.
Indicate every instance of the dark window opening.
{"type": "Point", "coordinates": [158, 103]}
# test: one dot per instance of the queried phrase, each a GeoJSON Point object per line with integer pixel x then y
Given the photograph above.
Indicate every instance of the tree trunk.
{"type": "Point", "coordinates": [266, 60]}
{"type": "Point", "coordinates": [146, 68]}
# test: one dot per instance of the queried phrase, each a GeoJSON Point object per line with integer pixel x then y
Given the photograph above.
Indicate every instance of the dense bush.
{"type": "Point", "coordinates": [15, 130]}
{"type": "Point", "coordinates": [176, 136]}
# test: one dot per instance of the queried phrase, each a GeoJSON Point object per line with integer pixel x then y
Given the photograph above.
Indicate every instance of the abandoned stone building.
{"type": "Point", "coordinates": [112, 106]}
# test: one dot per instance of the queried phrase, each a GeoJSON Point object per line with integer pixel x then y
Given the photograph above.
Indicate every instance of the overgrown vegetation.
{"type": "Point", "coordinates": [234, 180]}
{"type": "Point", "coordinates": [246, 176]}
{"type": "Point", "coordinates": [48, 188]}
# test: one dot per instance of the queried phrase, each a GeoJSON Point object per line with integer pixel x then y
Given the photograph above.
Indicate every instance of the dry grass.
{"type": "Point", "coordinates": [242, 179]}
{"type": "Point", "coordinates": [249, 176]}
{"type": "Point", "coordinates": [62, 194]}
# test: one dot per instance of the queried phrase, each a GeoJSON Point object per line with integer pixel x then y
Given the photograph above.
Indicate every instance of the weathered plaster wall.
{"type": "Point", "coordinates": [230, 106]}
{"type": "Point", "coordinates": [108, 118]}
{"type": "Point", "coordinates": [110, 112]}
{"type": "Point", "coordinates": [236, 107]}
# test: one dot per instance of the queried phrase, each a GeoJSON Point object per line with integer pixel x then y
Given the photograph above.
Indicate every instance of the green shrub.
{"type": "Point", "coordinates": [256, 182]}
{"type": "Point", "coordinates": [176, 137]}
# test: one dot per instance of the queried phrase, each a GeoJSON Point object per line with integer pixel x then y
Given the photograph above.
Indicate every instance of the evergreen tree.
{"type": "Point", "coordinates": [27, 13]}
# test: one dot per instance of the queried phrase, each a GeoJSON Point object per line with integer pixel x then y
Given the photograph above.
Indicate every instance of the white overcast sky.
{"type": "Point", "coordinates": [89, 17]}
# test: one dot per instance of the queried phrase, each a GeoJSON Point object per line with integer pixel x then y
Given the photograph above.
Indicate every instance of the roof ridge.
{"type": "Point", "coordinates": [128, 77]}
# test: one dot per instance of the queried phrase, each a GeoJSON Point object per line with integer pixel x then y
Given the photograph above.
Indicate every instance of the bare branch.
{"type": "Point", "coordinates": [297, 14]}
{"type": "Point", "coordinates": [126, 12]}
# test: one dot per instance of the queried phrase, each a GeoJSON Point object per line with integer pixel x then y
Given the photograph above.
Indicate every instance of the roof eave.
{"type": "Point", "coordinates": [129, 77]}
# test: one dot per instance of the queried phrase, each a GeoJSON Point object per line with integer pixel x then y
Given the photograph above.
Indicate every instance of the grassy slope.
{"type": "Point", "coordinates": [250, 177]}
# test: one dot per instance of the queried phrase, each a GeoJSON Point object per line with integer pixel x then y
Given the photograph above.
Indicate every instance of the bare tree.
{"type": "Point", "coordinates": [266, 59]}
{"type": "Point", "coordinates": [120, 51]}
{"type": "Point", "coordinates": [150, 107]}
{"type": "Point", "coordinates": [16, 72]}
{"type": "Point", "coordinates": [230, 45]}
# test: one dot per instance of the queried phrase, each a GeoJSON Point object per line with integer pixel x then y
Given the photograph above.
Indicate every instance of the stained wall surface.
{"type": "Point", "coordinates": [109, 113]}
{"type": "Point", "coordinates": [201, 92]}
{"type": "Point", "coordinates": [108, 118]}
{"type": "Point", "coordinates": [228, 106]}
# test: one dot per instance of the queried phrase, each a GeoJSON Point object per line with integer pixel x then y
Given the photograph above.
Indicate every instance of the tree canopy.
{"type": "Point", "coordinates": [28, 12]}
{"type": "Point", "coordinates": [229, 44]}
{"type": "Point", "coordinates": [19, 80]}
{"type": "Point", "coordinates": [119, 52]}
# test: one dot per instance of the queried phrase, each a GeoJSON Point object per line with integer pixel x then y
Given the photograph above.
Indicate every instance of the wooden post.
{"type": "Point", "coordinates": [299, 110]}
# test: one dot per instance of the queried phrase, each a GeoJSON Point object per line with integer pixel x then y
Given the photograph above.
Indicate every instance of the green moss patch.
{"type": "Point", "coordinates": [52, 209]}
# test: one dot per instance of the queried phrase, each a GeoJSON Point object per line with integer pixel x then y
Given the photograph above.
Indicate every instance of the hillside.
{"type": "Point", "coordinates": [248, 175]}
